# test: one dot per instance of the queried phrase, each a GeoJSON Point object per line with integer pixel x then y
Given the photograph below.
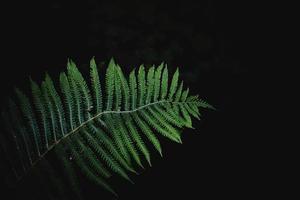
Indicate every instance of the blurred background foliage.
{"type": "Point", "coordinates": [197, 37]}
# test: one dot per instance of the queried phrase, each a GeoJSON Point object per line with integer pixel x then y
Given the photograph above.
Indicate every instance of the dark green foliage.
{"type": "Point", "coordinates": [101, 135]}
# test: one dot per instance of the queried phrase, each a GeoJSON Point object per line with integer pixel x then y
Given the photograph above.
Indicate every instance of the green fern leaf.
{"type": "Point", "coordinates": [164, 83]}
{"type": "Point", "coordinates": [40, 107]}
{"type": "Point", "coordinates": [142, 85]}
{"type": "Point", "coordinates": [110, 84]}
{"type": "Point", "coordinates": [101, 133]}
{"type": "Point", "coordinates": [173, 85]}
{"type": "Point", "coordinates": [96, 85]}
{"type": "Point", "coordinates": [52, 117]}
{"type": "Point", "coordinates": [157, 81]}
{"type": "Point", "coordinates": [30, 116]}
{"type": "Point", "coordinates": [133, 89]}
{"type": "Point", "coordinates": [57, 104]}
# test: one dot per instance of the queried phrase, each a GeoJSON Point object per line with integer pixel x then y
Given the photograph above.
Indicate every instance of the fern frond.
{"type": "Point", "coordinates": [164, 83]}
{"type": "Point", "coordinates": [184, 95]}
{"type": "Point", "coordinates": [110, 162]}
{"type": "Point", "coordinates": [158, 124]}
{"type": "Point", "coordinates": [127, 140]}
{"type": "Point", "coordinates": [141, 85]}
{"type": "Point", "coordinates": [148, 132]}
{"type": "Point", "coordinates": [133, 89]}
{"type": "Point", "coordinates": [118, 92]}
{"type": "Point", "coordinates": [57, 104]}
{"type": "Point", "coordinates": [173, 85]}
{"type": "Point", "coordinates": [186, 116]}
{"type": "Point", "coordinates": [96, 85]}
{"type": "Point", "coordinates": [116, 134]}
{"type": "Point", "coordinates": [125, 88]}
{"type": "Point", "coordinates": [69, 103]}
{"type": "Point", "coordinates": [77, 99]}
{"type": "Point", "coordinates": [83, 89]}
{"type": "Point", "coordinates": [157, 81]}
{"type": "Point", "coordinates": [101, 137]}
{"type": "Point", "coordinates": [179, 92]}
{"type": "Point", "coordinates": [30, 116]}
{"type": "Point", "coordinates": [110, 84]}
{"type": "Point", "coordinates": [136, 138]}
{"type": "Point", "coordinates": [86, 169]}
{"type": "Point", "coordinates": [52, 117]}
{"type": "Point", "coordinates": [102, 131]}
{"type": "Point", "coordinates": [150, 84]}
{"type": "Point", "coordinates": [40, 107]}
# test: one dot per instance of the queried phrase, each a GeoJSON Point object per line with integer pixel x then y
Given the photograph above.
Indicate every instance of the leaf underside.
{"type": "Point", "coordinates": [101, 130]}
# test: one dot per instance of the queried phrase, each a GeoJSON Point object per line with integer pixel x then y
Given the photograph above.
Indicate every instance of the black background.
{"type": "Point", "coordinates": [212, 43]}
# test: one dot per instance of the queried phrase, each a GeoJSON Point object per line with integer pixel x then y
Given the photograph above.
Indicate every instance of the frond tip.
{"type": "Point", "coordinates": [105, 130]}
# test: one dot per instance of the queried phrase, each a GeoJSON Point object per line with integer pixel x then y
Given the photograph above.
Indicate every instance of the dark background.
{"type": "Point", "coordinates": [213, 44]}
